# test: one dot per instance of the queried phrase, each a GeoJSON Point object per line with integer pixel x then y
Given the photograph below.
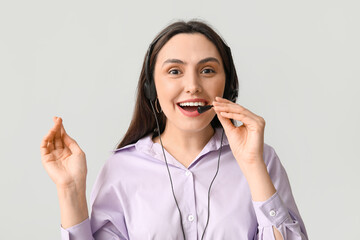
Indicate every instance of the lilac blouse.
{"type": "Point", "coordinates": [132, 198]}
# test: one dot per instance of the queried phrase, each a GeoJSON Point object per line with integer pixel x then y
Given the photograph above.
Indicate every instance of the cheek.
{"type": "Point", "coordinates": [165, 90]}
{"type": "Point", "coordinates": [167, 93]}
{"type": "Point", "coordinates": [217, 88]}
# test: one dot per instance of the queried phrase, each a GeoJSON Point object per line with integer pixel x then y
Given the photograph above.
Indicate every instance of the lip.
{"type": "Point", "coordinates": [194, 113]}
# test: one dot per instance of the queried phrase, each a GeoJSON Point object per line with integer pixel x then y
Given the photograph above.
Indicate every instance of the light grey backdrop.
{"type": "Point", "coordinates": [298, 65]}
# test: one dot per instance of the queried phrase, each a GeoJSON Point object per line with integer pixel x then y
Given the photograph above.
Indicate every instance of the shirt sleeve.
{"type": "Point", "coordinates": [79, 231]}
{"type": "Point", "coordinates": [107, 221]}
{"type": "Point", "coordinates": [279, 210]}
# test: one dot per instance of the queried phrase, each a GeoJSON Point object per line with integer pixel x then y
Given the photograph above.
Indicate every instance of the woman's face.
{"type": "Point", "coordinates": [188, 72]}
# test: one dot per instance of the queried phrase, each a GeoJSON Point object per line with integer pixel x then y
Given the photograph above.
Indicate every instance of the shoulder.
{"type": "Point", "coordinates": [119, 165]}
{"type": "Point", "coordinates": [121, 155]}
{"type": "Point", "coordinates": [130, 155]}
{"type": "Point", "coordinates": [124, 150]}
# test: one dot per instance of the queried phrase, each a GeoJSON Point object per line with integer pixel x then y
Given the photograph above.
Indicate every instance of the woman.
{"type": "Point", "coordinates": [202, 177]}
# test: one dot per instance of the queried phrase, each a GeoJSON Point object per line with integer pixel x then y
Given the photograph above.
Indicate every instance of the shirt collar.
{"type": "Point", "coordinates": [147, 146]}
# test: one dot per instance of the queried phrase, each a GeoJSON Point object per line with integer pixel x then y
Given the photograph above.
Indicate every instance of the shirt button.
{"type": "Point", "coordinates": [187, 173]}
{"type": "Point", "coordinates": [272, 213]}
{"type": "Point", "coordinates": [191, 218]}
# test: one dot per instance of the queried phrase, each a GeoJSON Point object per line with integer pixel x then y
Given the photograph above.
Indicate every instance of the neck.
{"type": "Point", "coordinates": [186, 141]}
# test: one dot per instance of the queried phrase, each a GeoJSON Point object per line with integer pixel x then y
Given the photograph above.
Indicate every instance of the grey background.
{"type": "Point", "coordinates": [298, 66]}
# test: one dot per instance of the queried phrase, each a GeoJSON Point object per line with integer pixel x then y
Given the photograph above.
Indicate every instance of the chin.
{"type": "Point", "coordinates": [187, 124]}
{"type": "Point", "coordinates": [193, 127]}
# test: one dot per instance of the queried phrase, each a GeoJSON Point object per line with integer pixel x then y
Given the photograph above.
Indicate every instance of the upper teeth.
{"type": "Point", "coordinates": [192, 104]}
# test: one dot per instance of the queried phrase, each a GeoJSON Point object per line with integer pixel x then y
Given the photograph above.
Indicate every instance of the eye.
{"type": "Point", "coordinates": [174, 71]}
{"type": "Point", "coordinates": [207, 71]}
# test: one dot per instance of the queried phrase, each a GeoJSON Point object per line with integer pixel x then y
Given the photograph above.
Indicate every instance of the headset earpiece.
{"type": "Point", "coordinates": [232, 92]}
{"type": "Point", "coordinates": [150, 90]}
{"type": "Point", "coordinates": [149, 85]}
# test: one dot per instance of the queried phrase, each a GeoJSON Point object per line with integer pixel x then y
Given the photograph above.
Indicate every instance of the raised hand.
{"type": "Point", "coordinates": [246, 141]}
{"type": "Point", "coordinates": [247, 145]}
{"type": "Point", "coordinates": [62, 158]}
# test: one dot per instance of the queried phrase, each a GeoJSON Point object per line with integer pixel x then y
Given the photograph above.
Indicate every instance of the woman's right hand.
{"type": "Point", "coordinates": [63, 159]}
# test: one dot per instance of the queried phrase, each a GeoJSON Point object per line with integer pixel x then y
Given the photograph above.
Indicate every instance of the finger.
{"type": "Point", "coordinates": [48, 140]}
{"type": "Point", "coordinates": [239, 117]}
{"type": "Point", "coordinates": [69, 142]}
{"type": "Point", "coordinates": [233, 107]}
{"type": "Point", "coordinates": [44, 147]}
{"type": "Point", "coordinates": [225, 122]}
{"type": "Point", "coordinates": [51, 146]}
{"type": "Point", "coordinates": [57, 138]}
{"type": "Point", "coordinates": [223, 100]}
{"type": "Point", "coordinates": [250, 123]}
{"type": "Point", "coordinates": [236, 112]}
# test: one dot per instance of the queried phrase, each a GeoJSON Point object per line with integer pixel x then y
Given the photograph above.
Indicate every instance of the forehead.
{"type": "Point", "coordinates": [188, 47]}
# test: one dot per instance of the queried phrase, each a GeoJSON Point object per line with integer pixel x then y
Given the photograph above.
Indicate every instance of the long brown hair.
{"type": "Point", "coordinates": [143, 120]}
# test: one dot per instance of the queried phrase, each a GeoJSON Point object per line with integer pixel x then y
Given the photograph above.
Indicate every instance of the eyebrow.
{"type": "Point", "coordinates": [205, 60]}
{"type": "Point", "coordinates": [209, 59]}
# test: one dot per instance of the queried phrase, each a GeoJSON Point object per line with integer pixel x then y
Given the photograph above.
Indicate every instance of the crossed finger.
{"type": "Point", "coordinates": [57, 139]}
{"type": "Point", "coordinates": [52, 140]}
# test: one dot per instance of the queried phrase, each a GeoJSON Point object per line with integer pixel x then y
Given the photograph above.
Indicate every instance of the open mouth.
{"type": "Point", "coordinates": [191, 106]}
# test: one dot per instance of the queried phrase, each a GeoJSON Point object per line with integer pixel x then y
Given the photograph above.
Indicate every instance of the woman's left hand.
{"type": "Point", "coordinates": [246, 141]}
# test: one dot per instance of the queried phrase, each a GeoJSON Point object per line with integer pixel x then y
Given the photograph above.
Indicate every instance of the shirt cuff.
{"type": "Point", "coordinates": [81, 231]}
{"type": "Point", "coordinates": [271, 212]}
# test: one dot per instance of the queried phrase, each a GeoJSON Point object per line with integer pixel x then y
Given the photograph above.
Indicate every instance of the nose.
{"type": "Point", "coordinates": [192, 83]}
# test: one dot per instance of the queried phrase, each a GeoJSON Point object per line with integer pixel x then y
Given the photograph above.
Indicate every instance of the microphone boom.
{"type": "Point", "coordinates": [202, 109]}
